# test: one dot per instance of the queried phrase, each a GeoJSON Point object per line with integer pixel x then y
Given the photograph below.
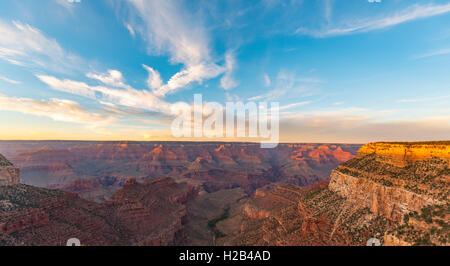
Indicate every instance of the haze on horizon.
{"type": "Point", "coordinates": [343, 71]}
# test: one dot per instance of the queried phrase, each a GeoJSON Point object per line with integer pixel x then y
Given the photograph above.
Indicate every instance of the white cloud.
{"type": "Point", "coordinates": [9, 80]}
{"type": "Point", "coordinates": [69, 86]}
{"type": "Point", "coordinates": [293, 105]}
{"type": "Point", "coordinates": [67, 3]}
{"type": "Point", "coordinates": [113, 78]}
{"type": "Point", "coordinates": [22, 44]}
{"type": "Point", "coordinates": [412, 13]}
{"type": "Point", "coordinates": [271, 95]}
{"type": "Point", "coordinates": [195, 73]}
{"type": "Point", "coordinates": [287, 82]}
{"type": "Point", "coordinates": [130, 29]}
{"type": "Point", "coordinates": [154, 80]}
{"type": "Point", "coordinates": [267, 81]}
{"type": "Point", "coordinates": [227, 82]}
{"type": "Point", "coordinates": [134, 98]}
{"type": "Point", "coordinates": [170, 29]}
{"type": "Point", "coordinates": [56, 109]}
{"type": "Point", "coordinates": [129, 97]}
{"type": "Point", "coordinates": [116, 100]}
{"type": "Point", "coordinates": [434, 53]}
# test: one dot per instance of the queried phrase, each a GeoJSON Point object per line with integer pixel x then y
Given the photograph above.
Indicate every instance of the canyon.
{"type": "Point", "coordinates": [396, 192]}
{"type": "Point", "coordinates": [96, 170]}
{"type": "Point", "coordinates": [151, 213]}
{"type": "Point", "coordinates": [165, 193]}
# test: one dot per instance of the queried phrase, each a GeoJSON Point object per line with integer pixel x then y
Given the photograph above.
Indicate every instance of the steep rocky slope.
{"type": "Point", "coordinates": [9, 175]}
{"type": "Point", "coordinates": [397, 192]}
{"type": "Point", "coordinates": [152, 213]}
{"type": "Point", "coordinates": [315, 216]}
{"type": "Point", "coordinates": [405, 182]}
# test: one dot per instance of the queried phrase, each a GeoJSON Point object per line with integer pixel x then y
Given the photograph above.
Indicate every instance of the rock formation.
{"type": "Point", "coordinates": [96, 170]}
{"type": "Point", "coordinates": [402, 154]}
{"type": "Point", "coordinates": [395, 180]}
{"type": "Point", "coordinates": [154, 212]}
{"type": "Point", "coordinates": [397, 192]}
{"type": "Point", "coordinates": [151, 213]}
{"type": "Point", "coordinates": [9, 175]}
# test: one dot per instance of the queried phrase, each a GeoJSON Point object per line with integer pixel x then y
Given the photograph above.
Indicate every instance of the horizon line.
{"type": "Point", "coordinates": [215, 141]}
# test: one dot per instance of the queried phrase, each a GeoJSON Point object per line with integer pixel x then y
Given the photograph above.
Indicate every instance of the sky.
{"type": "Point", "coordinates": [343, 71]}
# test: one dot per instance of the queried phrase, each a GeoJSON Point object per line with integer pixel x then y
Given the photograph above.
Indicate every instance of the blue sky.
{"type": "Point", "coordinates": [342, 70]}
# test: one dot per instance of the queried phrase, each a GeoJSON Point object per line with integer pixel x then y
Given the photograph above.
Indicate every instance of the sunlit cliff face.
{"type": "Point", "coordinates": [401, 155]}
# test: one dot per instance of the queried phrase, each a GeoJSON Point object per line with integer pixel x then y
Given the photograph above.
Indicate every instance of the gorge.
{"type": "Point", "coordinates": [225, 194]}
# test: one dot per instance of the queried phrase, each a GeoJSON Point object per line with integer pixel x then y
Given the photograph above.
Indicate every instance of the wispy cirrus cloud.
{"type": "Point", "coordinates": [129, 97]}
{"type": "Point", "coordinates": [267, 81]}
{"type": "Point", "coordinates": [227, 82]}
{"type": "Point", "coordinates": [56, 109]}
{"type": "Point", "coordinates": [196, 73]}
{"type": "Point", "coordinates": [130, 29]}
{"type": "Point", "coordinates": [113, 78]}
{"type": "Point", "coordinates": [365, 25]}
{"type": "Point", "coordinates": [67, 3]}
{"type": "Point", "coordinates": [293, 105]}
{"type": "Point", "coordinates": [433, 53]}
{"type": "Point", "coordinates": [69, 86]}
{"type": "Point", "coordinates": [271, 95]}
{"type": "Point", "coordinates": [287, 82]}
{"type": "Point", "coordinates": [9, 80]}
{"type": "Point", "coordinates": [328, 10]}
{"type": "Point", "coordinates": [25, 45]}
{"type": "Point", "coordinates": [171, 30]}
{"type": "Point", "coordinates": [426, 99]}
{"type": "Point", "coordinates": [154, 80]}
{"type": "Point", "coordinates": [120, 101]}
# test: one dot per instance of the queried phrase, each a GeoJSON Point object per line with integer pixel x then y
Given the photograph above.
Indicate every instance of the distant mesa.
{"type": "Point", "coordinates": [402, 154]}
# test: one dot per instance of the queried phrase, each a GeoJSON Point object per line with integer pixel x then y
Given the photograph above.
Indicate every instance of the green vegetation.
{"type": "Point", "coordinates": [315, 193]}
{"type": "Point", "coordinates": [406, 218]}
{"type": "Point", "coordinates": [422, 177]}
{"type": "Point", "coordinates": [23, 196]}
{"type": "Point", "coordinates": [435, 233]}
{"type": "Point", "coordinates": [424, 241]}
{"type": "Point", "coordinates": [212, 223]}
